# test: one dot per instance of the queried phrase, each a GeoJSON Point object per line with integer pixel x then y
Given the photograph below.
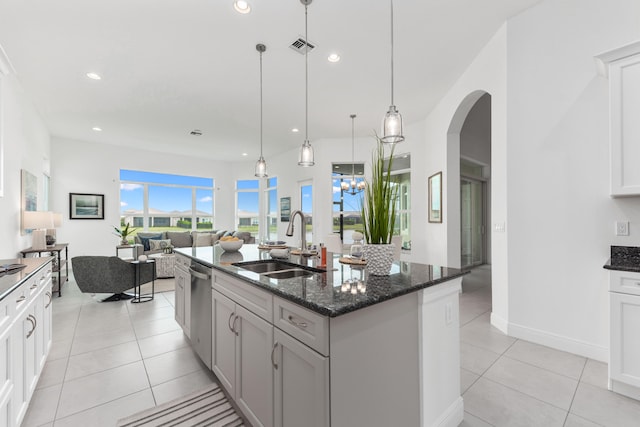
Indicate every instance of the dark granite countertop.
{"type": "Point", "coordinates": [326, 293]}
{"type": "Point", "coordinates": [624, 258]}
{"type": "Point", "coordinates": [11, 279]}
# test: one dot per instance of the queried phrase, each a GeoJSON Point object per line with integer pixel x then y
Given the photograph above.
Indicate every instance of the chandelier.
{"type": "Point", "coordinates": [353, 187]}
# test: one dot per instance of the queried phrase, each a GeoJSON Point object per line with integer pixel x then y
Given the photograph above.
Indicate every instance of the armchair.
{"type": "Point", "coordinates": [105, 274]}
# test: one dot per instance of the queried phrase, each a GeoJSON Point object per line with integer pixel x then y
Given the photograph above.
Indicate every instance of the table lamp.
{"type": "Point", "coordinates": [51, 232]}
{"type": "Point", "coordinates": [38, 221]}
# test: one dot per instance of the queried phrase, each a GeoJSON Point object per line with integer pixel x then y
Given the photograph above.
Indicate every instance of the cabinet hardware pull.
{"type": "Point", "coordinates": [20, 299]}
{"type": "Point", "coordinates": [35, 285]}
{"type": "Point", "coordinates": [298, 324]}
{"type": "Point", "coordinates": [31, 319]}
{"type": "Point", "coordinates": [273, 350]}
{"type": "Point", "coordinates": [50, 295]}
{"type": "Point", "coordinates": [234, 325]}
{"type": "Point", "coordinates": [229, 322]}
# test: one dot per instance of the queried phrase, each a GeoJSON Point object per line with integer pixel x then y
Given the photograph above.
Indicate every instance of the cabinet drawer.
{"type": "Point", "coordinates": [250, 297]}
{"type": "Point", "coordinates": [624, 282]}
{"type": "Point", "coordinates": [182, 262]}
{"type": "Point", "coordinates": [303, 324]}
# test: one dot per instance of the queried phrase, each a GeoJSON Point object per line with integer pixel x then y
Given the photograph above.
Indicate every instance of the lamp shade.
{"type": "Point", "coordinates": [34, 220]}
{"type": "Point", "coordinates": [305, 157]}
{"type": "Point", "coordinates": [57, 219]}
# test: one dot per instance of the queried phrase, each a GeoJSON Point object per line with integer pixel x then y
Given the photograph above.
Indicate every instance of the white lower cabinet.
{"type": "Point", "coordinates": [301, 384]}
{"type": "Point", "coordinates": [624, 358]}
{"type": "Point", "coordinates": [183, 294]}
{"type": "Point", "coordinates": [242, 344]}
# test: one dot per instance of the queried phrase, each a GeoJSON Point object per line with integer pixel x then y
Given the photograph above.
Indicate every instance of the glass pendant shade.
{"type": "Point", "coordinates": [261, 168]}
{"type": "Point", "coordinates": [305, 157]}
{"type": "Point", "coordinates": [392, 126]}
{"type": "Point", "coordinates": [344, 186]}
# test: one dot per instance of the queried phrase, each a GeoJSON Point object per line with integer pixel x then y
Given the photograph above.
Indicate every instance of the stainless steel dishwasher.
{"type": "Point", "coordinates": [201, 311]}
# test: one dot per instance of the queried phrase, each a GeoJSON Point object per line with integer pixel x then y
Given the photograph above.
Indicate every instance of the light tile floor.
{"type": "Point", "coordinates": [511, 382]}
{"type": "Point", "coordinates": [114, 359]}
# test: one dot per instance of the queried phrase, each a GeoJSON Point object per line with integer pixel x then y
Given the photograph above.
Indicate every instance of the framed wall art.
{"type": "Point", "coordinates": [435, 197]}
{"type": "Point", "coordinates": [86, 206]}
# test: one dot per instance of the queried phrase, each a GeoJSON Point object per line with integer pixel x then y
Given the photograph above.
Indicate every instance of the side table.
{"type": "Point", "coordinates": [58, 263]}
{"type": "Point", "coordinates": [137, 293]}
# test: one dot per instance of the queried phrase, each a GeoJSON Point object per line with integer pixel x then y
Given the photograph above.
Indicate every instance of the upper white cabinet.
{"type": "Point", "coordinates": [622, 66]}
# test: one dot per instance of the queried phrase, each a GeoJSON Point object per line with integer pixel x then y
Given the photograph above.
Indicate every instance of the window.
{"type": "Point", "coordinates": [306, 206]}
{"type": "Point", "coordinates": [272, 209]}
{"type": "Point", "coordinates": [247, 205]}
{"type": "Point", "coordinates": [164, 202]}
{"type": "Point", "coordinates": [346, 206]}
{"type": "Point", "coordinates": [401, 173]}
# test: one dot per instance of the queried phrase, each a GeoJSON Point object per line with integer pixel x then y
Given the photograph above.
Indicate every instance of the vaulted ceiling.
{"type": "Point", "coordinates": [171, 66]}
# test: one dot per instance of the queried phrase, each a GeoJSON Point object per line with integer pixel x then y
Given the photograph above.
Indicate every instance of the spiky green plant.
{"type": "Point", "coordinates": [379, 205]}
{"type": "Point", "coordinates": [124, 232]}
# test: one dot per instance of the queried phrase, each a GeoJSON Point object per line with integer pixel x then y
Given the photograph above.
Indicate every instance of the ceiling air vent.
{"type": "Point", "coordinates": [299, 45]}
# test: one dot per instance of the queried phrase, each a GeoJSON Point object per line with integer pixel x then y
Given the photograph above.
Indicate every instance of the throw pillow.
{"type": "Point", "coordinates": [157, 245]}
{"type": "Point", "coordinates": [180, 239]}
{"type": "Point", "coordinates": [144, 240]}
{"type": "Point", "coordinates": [201, 239]}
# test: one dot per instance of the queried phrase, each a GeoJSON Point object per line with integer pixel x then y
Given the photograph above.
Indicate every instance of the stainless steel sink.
{"type": "Point", "coordinates": [265, 267]}
{"type": "Point", "coordinates": [289, 274]}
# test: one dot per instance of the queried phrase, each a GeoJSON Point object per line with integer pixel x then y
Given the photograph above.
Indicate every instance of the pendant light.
{"type": "Point", "coordinates": [392, 123]}
{"type": "Point", "coordinates": [305, 157]}
{"type": "Point", "coordinates": [261, 164]}
{"type": "Point", "coordinates": [352, 187]}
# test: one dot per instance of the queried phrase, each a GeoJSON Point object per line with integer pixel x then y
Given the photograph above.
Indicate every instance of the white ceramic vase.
{"type": "Point", "coordinates": [379, 258]}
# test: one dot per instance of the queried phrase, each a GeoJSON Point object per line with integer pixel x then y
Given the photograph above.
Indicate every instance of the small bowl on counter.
{"type": "Point", "coordinates": [231, 245]}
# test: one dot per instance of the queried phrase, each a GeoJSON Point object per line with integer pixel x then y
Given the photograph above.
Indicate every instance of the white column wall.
{"type": "Point", "coordinates": [25, 144]}
{"type": "Point", "coordinates": [560, 216]}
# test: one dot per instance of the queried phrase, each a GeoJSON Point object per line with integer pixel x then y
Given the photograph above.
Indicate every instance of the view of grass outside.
{"type": "Point", "coordinates": [155, 202]}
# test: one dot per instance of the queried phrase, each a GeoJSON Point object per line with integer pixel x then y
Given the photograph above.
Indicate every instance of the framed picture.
{"type": "Point", "coordinates": [28, 195]}
{"type": "Point", "coordinates": [435, 197]}
{"type": "Point", "coordinates": [86, 206]}
{"type": "Point", "coordinates": [285, 209]}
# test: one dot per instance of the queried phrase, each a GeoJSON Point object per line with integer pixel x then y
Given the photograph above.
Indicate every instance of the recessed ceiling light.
{"type": "Point", "coordinates": [94, 76]}
{"type": "Point", "coordinates": [244, 154]}
{"type": "Point", "coordinates": [295, 130]}
{"type": "Point", "coordinates": [334, 57]}
{"type": "Point", "coordinates": [241, 6]}
{"type": "Point", "coordinates": [97, 129]}
{"type": "Point", "coordinates": [336, 167]}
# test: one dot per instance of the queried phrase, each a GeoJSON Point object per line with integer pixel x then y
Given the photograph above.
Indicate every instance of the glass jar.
{"type": "Point", "coordinates": [356, 247]}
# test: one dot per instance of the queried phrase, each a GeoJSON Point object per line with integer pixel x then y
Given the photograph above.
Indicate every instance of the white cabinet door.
{"type": "Point", "coordinates": [47, 323]}
{"type": "Point", "coordinates": [301, 384]}
{"type": "Point", "coordinates": [624, 365]}
{"type": "Point", "coordinates": [179, 298]}
{"type": "Point", "coordinates": [6, 360]}
{"type": "Point", "coordinates": [224, 341]}
{"type": "Point", "coordinates": [254, 387]}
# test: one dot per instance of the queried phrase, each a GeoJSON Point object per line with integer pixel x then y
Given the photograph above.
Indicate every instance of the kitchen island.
{"type": "Point", "coordinates": [336, 347]}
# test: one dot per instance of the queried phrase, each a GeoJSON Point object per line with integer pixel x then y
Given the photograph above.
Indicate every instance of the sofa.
{"type": "Point", "coordinates": [153, 243]}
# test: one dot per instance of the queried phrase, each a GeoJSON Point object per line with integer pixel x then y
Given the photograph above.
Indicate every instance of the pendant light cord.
{"type": "Point", "coordinates": [392, 52]}
{"type": "Point", "coordinates": [306, 77]}
{"type": "Point", "coordinates": [261, 105]}
{"type": "Point", "coordinates": [353, 156]}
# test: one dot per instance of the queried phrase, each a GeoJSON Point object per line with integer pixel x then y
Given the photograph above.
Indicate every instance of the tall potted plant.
{"type": "Point", "coordinates": [378, 211]}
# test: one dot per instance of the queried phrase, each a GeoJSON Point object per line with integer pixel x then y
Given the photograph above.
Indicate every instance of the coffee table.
{"type": "Point", "coordinates": [165, 264]}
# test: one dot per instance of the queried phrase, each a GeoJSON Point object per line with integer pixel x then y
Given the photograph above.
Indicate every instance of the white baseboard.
{"type": "Point", "coordinates": [452, 416]}
{"type": "Point", "coordinates": [555, 341]}
{"type": "Point", "coordinates": [499, 323]}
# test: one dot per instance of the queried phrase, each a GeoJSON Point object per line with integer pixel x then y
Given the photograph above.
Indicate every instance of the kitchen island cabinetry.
{"type": "Point", "coordinates": [308, 351]}
{"type": "Point", "coordinates": [183, 294]}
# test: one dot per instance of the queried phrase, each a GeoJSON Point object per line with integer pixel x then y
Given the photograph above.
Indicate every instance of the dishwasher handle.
{"type": "Point", "coordinates": [198, 275]}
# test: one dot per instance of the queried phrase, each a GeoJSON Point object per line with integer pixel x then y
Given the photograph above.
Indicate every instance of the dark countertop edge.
{"type": "Point", "coordinates": [323, 310]}
{"type": "Point", "coordinates": [28, 276]}
{"type": "Point", "coordinates": [618, 267]}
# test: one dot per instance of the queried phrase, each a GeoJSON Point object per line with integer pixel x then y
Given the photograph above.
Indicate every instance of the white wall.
{"type": "Point", "coordinates": [561, 219]}
{"type": "Point", "coordinates": [82, 167]}
{"type": "Point", "coordinates": [25, 143]}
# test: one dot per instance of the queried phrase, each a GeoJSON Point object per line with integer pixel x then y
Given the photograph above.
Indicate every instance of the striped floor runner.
{"type": "Point", "coordinates": [208, 407]}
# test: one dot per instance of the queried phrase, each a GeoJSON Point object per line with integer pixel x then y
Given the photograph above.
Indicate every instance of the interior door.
{"type": "Point", "coordinates": [472, 222]}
